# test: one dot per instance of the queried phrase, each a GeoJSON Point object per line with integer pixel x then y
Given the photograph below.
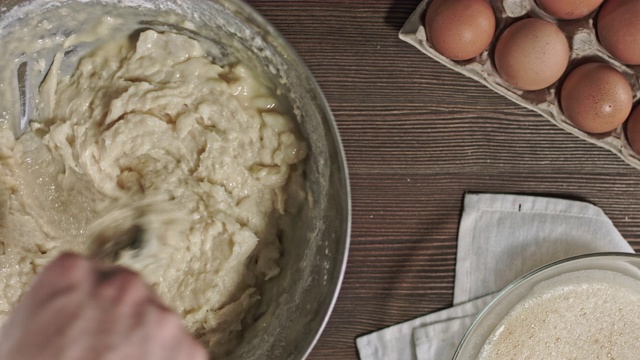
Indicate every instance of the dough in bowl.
{"type": "Point", "coordinates": [148, 117]}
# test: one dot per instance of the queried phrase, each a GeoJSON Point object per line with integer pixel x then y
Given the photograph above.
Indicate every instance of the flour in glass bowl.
{"type": "Point", "coordinates": [146, 114]}
{"type": "Point", "coordinates": [587, 314]}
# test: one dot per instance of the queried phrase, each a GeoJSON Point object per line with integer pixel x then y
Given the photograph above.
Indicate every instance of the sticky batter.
{"type": "Point", "coordinates": [149, 116]}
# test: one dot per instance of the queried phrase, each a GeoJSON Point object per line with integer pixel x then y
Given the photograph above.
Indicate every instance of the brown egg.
{"type": "Point", "coordinates": [618, 27]}
{"type": "Point", "coordinates": [460, 29]}
{"type": "Point", "coordinates": [569, 9]}
{"type": "Point", "coordinates": [532, 54]}
{"type": "Point", "coordinates": [596, 98]}
{"type": "Point", "coordinates": [633, 130]}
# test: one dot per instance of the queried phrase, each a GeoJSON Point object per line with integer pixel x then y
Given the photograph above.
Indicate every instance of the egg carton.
{"type": "Point", "coordinates": [584, 46]}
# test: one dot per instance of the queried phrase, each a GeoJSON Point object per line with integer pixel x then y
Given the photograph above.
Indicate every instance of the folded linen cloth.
{"type": "Point", "coordinates": [500, 238]}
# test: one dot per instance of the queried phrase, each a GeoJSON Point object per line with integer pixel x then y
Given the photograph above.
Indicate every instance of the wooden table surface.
{"type": "Point", "coordinates": [417, 137]}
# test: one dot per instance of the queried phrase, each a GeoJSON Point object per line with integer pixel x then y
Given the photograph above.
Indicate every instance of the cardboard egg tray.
{"type": "Point", "coordinates": [585, 48]}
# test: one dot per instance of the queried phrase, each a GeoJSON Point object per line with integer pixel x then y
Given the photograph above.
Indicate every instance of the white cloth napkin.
{"type": "Point", "coordinates": [501, 237]}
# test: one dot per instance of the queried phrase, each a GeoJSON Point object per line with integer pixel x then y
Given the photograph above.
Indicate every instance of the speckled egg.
{"type": "Point", "coordinates": [618, 27]}
{"type": "Point", "coordinates": [460, 29]}
{"type": "Point", "coordinates": [532, 54]}
{"type": "Point", "coordinates": [569, 9]}
{"type": "Point", "coordinates": [633, 130]}
{"type": "Point", "coordinates": [596, 98]}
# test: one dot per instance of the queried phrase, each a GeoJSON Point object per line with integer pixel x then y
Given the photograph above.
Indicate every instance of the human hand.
{"type": "Point", "coordinates": [78, 309]}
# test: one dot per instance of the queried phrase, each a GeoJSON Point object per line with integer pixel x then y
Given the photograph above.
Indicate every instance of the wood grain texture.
{"type": "Point", "coordinates": [418, 136]}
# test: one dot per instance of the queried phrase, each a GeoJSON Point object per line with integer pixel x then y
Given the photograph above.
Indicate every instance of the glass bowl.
{"type": "Point", "coordinates": [484, 325]}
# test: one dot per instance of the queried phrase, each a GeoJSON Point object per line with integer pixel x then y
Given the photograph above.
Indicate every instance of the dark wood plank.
{"type": "Point", "coordinates": [418, 136]}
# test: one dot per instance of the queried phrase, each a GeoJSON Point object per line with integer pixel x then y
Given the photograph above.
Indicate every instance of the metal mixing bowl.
{"type": "Point", "coordinates": [485, 324]}
{"type": "Point", "coordinates": [295, 305]}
